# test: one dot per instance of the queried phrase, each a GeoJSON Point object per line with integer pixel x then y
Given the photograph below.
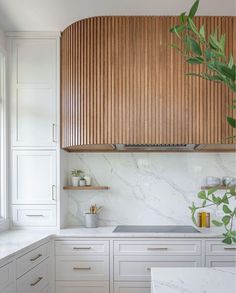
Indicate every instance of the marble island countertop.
{"type": "Point", "coordinates": [16, 241]}
{"type": "Point", "coordinates": [193, 280]}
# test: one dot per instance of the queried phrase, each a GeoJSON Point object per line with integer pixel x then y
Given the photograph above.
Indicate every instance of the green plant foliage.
{"type": "Point", "coordinates": [210, 199]}
{"type": "Point", "coordinates": [209, 52]}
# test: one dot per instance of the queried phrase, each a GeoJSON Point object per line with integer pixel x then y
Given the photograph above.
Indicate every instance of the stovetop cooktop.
{"type": "Point", "coordinates": [155, 229]}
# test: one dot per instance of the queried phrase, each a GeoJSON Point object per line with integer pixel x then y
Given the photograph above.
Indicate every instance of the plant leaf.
{"type": "Point", "coordinates": [226, 220]}
{"type": "Point", "coordinates": [177, 29]}
{"type": "Point", "coordinates": [202, 194]}
{"type": "Point", "coordinates": [195, 47]}
{"type": "Point", "coordinates": [231, 61]}
{"type": "Point", "coordinates": [182, 17]}
{"type": "Point", "coordinates": [193, 27]}
{"type": "Point", "coordinates": [227, 240]}
{"type": "Point", "coordinates": [193, 9]}
{"type": "Point", "coordinates": [195, 60]}
{"type": "Point", "coordinates": [217, 223]}
{"type": "Point", "coordinates": [212, 190]}
{"type": "Point", "coordinates": [226, 209]}
{"type": "Point", "coordinates": [231, 121]}
{"type": "Point", "coordinates": [202, 32]}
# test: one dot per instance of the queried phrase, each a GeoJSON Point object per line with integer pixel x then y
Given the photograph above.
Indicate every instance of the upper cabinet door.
{"type": "Point", "coordinates": [34, 177]}
{"type": "Point", "coordinates": [33, 92]}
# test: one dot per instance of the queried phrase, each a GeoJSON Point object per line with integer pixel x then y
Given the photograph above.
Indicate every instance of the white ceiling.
{"type": "Point", "coordinates": [56, 15]}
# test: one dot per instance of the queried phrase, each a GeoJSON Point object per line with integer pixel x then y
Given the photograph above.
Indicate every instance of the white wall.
{"type": "Point", "coordinates": [145, 188]}
{"type": "Point", "coordinates": [56, 15]}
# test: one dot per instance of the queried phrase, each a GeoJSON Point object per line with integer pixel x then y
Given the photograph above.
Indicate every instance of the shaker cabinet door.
{"type": "Point", "coordinates": [33, 92]}
{"type": "Point", "coordinates": [34, 177]}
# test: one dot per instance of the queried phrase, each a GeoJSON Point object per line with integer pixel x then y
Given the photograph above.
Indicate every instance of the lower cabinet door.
{"type": "Point", "coordinates": [82, 287]}
{"type": "Point", "coordinates": [138, 268]}
{"type": "Point", "coordinates": [221, 261]}
{"type": "Point", "coordinates": [36, 280]}
{"type": "Point", "coordinates": [132, 287]}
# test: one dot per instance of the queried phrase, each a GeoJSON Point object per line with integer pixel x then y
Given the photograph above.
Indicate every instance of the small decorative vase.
{"type": "Point", "coordinates": [75, 181]}
{"type": "Point", "coordinates": [91, 220]}
{"type": "Point", "coordinates": [82, 182]}
{"type": "Point", "coordinates": [88, 180]}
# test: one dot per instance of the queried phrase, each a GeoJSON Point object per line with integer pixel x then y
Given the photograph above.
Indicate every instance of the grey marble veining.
{"type": "Point", "coordinates": [193, 280]}
{"type": "Point", "coordinates": [145, 188]}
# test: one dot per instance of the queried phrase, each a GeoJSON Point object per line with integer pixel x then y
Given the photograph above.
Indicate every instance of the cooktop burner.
{"type": "Point", "coordinates": [155, 229]}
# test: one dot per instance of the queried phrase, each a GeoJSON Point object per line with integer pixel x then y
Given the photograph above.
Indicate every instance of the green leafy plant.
{"type": "Point", "coordinates": [76, 173]}
{"type": "Point", "coordinates": [210, 199]}
{"type": "Point", "coordinates": [207, 51]}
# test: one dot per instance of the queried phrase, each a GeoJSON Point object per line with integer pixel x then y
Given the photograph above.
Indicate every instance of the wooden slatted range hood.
{"type": "Point", "coordinates": [122, 84]}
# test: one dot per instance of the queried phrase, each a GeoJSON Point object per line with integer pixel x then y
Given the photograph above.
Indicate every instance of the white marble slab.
{"type": "Point", "coordinates": [145, 188]}
{"type": "Point", "coordinates": [193, 280]}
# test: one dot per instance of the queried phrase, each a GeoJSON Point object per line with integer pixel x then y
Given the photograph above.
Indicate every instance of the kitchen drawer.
{"type": "Point", "coordinates": [221, 261]}
{"type": "Point", "coordinates": [157, 247]}
{"type": "Point", "coordinates": [82, 287]}
{"type": "Point", "coordinates": [34, 215]}
{"type": "Point", "coordinates": [137, 268]}
{"type": "Point", "coordinates": [132, 287]}
{"type": "Point", "coordinates": [219, 248]}
{"type": "Point", "coordinates": [82, 247]}
{"type": "Point", "coordinates": [6, 276]}
{"type": "Point", "coordinates": [82, 268]}
{"type": "Point", "coordinates": [31, 259]}
{"type": "Point", "coordinates": [35, 280]}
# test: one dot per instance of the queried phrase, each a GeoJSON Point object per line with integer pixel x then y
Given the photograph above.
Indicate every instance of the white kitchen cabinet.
{"type": "Point", "coordinates": [34, 178]}
{"type": "Point", "coordinates": [35, 280]}
{"type": "Point", "coordinates": [132, 287]}
{"type": "Point", "coordinates": [7, 278]}
{"type": "Point", "coordinates": [216, 247]}
{"type": "Point", "coordinates": [34, 92]}
{"type": "Point", "coordinates": [34, 215]}
{"type": "Point", "coordinates": [138, 268]}
{"type": "Point", "coordinates": [82, 287]}
{"type": "Point", "coordinates": [221, 261]}
{"type": "Point", "coordinates": [31, 259]}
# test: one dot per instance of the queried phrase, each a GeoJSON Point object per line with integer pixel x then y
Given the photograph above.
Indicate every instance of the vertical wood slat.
{"type": "Point", "coordinates": [121, 83]}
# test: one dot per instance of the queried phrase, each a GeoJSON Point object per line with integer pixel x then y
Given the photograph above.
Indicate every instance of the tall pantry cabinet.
{"type": "Point", "coordinates": [34, 128]}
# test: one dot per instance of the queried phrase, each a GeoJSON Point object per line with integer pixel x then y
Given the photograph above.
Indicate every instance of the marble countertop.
{"type": "Point", "coordinates": [193, 280]}
{"type": "Point", "coordinates": [16, 241]}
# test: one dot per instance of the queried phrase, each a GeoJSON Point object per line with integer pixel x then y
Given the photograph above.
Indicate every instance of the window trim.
{"type": "Point", "coordinates": [4, 222]}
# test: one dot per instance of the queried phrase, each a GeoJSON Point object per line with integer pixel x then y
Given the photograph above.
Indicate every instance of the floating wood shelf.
{"type": "Point", "coordinates": [220, 187]}
{"type": "Point", "coordinates": [85, 187]}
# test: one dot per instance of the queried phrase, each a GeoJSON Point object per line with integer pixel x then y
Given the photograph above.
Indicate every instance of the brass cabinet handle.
{"type": "Point", "coordinates": [229, 248]}
{"type": "Point", "coordinates": [34, 215]}
{"type": "Point", "coordinates": [53, 192]}
{"type": "Point", "coordinates": [54, 139]}
{"type": "Point", "coordinates": [80, 269]}
{"type": "Point", "coordinates": [148, 269]}
{"type": "Point", "coordinates": [157, 248]}
{"type": "Point", "coordinates": [36, 282]}
{"type": "Point", "coordinates": [82, 248]}
{"type": "Point", "coordinates": [36, 257]}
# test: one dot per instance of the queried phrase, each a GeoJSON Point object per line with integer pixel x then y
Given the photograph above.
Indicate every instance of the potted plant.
{"type": "Point", "coordinates": [91, 218]}
{"type": "Point", "coordinates": [76, 177]}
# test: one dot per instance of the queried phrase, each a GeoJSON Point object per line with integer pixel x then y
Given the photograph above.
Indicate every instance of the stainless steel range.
{"type": "Point", "coordinates": [155, 229]}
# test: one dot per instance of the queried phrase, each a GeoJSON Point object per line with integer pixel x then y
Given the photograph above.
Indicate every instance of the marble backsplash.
{"type": "Point", "coordinates": [145, 188]}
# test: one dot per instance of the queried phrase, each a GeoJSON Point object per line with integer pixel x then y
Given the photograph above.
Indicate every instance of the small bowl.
{"type": "Point", "coordinates": [213, 181]}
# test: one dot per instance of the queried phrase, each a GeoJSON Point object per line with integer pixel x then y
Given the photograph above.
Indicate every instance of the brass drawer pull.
{"type": "Point", "coordinates": [229, 248]}
{"type": "Point", "coordinates": [82, 248]}
{"type": "Point", "coordinates": [80, 269]}
{"type": "Point", "coordinates": [148, 269]}
{"type": "Point", "coordinates": [34, 215]}
{"type": "Point", "coordinates": [157, 248]}
{"type": "Point", "coordinates": [36, 257]}
{"type": "Point", "coordinates": [36, 282]}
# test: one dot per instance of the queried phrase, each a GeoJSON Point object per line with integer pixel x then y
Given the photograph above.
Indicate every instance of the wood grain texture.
{"type": "Point", "coordinates": [122, 83]}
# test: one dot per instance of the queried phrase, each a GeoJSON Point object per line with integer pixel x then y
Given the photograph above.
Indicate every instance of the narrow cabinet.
{"type": "Point", "coordinates": [34, 177]}
{"type": "Point", "coordinates": [33, 92]}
